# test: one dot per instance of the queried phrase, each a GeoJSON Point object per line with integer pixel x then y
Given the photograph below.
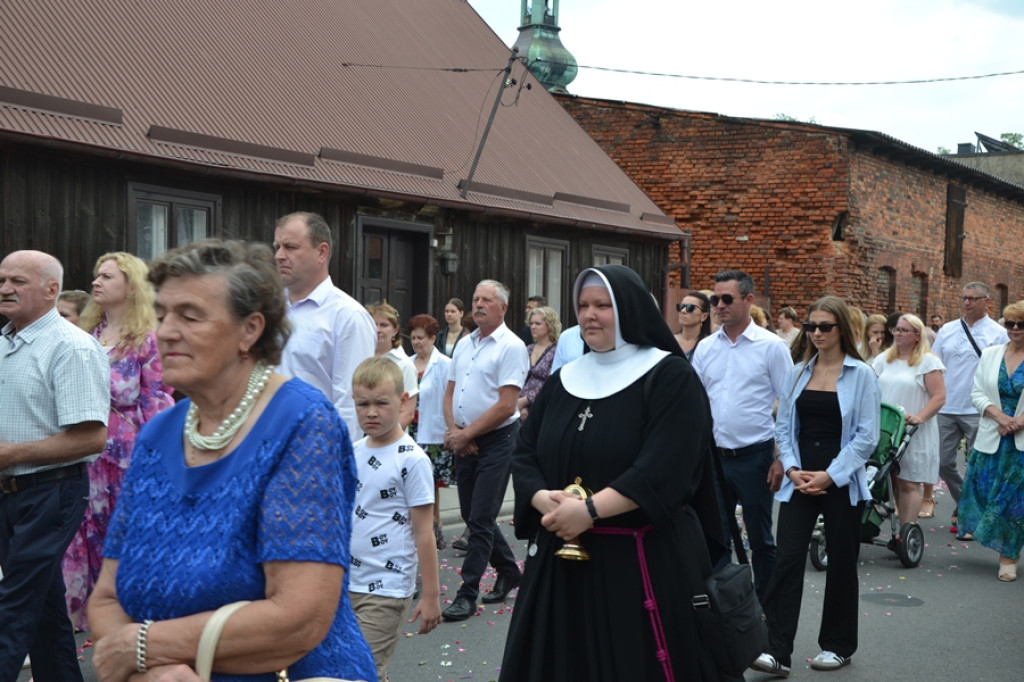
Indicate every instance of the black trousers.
{"type": "Point", "coordinates": [36, 526]}
{"type": "Point", "coordinates": [838, 631]}
{"type": "Point", "coordinates": [482, 480]}
{"type": "Point", "coordinates": [746, 480]}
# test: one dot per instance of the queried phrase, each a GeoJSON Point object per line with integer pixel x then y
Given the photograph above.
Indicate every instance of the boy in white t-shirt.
{"type": "Point", "coordinates": [393, 518]}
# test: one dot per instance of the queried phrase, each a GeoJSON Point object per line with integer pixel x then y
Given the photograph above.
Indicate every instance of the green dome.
{"type": "Point", "coordinates": [546, 57]}
{"type": "Point", "coordinates": [541, 48]}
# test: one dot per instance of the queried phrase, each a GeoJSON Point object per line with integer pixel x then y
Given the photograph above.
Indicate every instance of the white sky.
{"type": "Point", "coordinates": [804, 40]}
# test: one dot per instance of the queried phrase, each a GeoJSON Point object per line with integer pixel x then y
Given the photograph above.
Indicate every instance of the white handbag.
{"type": "Point", "coordinates": [211, 635]}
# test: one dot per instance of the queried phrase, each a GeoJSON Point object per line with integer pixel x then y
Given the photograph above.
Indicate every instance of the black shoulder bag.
{"type": "Point", "coordinates": [729, 616]}
{"type": "Point", "coordinates": [967, 330]}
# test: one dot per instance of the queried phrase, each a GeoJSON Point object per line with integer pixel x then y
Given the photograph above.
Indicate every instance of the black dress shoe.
{"type": "Point", "coordinates": [461, 609]}
{"type": "Point", "coordinates": [502, 586]}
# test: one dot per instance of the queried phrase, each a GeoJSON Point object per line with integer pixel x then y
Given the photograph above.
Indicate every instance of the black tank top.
{"type": "Point", "coordinates": [821, 428]}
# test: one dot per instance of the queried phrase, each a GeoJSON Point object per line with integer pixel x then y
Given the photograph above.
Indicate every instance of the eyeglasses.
{"type": "Point", "coordinates": [1010, 324]}
{"type": "Point", "coordinates": [900, 330]}
{"type": "Point", "coordinates": [688, 307]}
{"type": "Point", "coordinates": [972, 299]}
{"type": "Point", "coordinates": [825, 327]}
{"type": "Point", "coordinates": [727, 299]}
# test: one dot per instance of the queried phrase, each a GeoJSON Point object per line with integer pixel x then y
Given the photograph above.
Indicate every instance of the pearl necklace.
{"type": "Point", "coordinates": [229, 427]}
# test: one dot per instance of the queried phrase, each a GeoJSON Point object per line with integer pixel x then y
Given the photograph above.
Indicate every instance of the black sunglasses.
{"type": "Point", "coordinates": [825, 327]}
{"type": "Point", "coordinates": [1010, 324]}
{"type": "Point", "coordinates": [724, 298]}
{"type": "Point", "coordinates": [688, 307]}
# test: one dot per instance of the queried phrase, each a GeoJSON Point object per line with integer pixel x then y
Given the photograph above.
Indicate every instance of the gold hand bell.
{"type": "Point", "coordinates": [572, 550]}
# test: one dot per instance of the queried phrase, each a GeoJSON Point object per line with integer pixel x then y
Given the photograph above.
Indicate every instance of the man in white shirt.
{"type": "Point", "coordinates": [568, 348]}
{"type": "Point", "coordinates": [958, 419]}
{"type": "Point", "coordinates": [484, 380]}
{"type": "Point", "coordinates": [744, 369]}
{"type": "Point", "coordinates": [332, 333]}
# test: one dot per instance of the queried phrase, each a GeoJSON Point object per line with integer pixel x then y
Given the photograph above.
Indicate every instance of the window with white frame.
{"type": "Point", "coordinates": [546, 260]}
{"type": "Point", "coordinates": [609, 255]}
{"type": "Point", "coordinates": [163, 218]}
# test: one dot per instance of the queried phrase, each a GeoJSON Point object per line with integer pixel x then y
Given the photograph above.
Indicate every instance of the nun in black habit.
{"type": "Point", "coordinates": [631, 420]}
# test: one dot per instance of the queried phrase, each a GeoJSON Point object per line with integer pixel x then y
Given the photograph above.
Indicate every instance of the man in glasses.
{"type": "Point", "coordinates": [744, 368]}
{"type": "Point", "coordinates": [959, 344]}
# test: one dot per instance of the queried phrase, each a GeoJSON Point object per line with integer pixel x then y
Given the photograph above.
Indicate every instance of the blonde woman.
{"type": "Point", "coordinates": [120, 315]}
{"type": "Point", "coordinates": [910, 375]}
{"type": "Point", "coordinates": [873, 341]}
{"type": "Point", "coordinates": [992, 503]}
{"type": "Point", "coordinates": [545, 328]}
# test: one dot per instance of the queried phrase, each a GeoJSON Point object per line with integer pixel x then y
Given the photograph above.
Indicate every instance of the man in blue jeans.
{"type": "Point", "coordinates": [487, 373]}
{"type": "Point", "coordinates": [743, 368]}
{"type": "Point", "coordinates": [55, 401]}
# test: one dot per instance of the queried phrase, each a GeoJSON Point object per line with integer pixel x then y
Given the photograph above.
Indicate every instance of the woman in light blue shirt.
{"type": "Point", "coordinates": [826, 430]}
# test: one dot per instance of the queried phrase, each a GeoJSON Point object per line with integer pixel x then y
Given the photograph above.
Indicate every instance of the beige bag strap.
{"type": "Point", "coordinates": [211, 635]}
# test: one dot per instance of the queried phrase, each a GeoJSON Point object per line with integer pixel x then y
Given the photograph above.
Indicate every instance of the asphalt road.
{"type": "Point", "coordinates": [947, 619]}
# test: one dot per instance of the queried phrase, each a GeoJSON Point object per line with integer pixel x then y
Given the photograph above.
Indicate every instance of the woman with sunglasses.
{"type": "Point", "coordinates": [694, 321]}
{"type": "Point", "coordinates": [992, 500]}
{"type": "Point", "coordinates": [910, 375]}
{"type": "Point", "coordinates": [827, 427]}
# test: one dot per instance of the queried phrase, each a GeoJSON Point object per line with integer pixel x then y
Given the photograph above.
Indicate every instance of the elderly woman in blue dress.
{"type": "Point", "coordinates": [244, 491]}
{"type": "Point", "coordinates": [992, 502]}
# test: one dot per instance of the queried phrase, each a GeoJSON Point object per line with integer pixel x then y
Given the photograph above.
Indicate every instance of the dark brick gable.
{"type": "Point", "coordinates": [766, 197]}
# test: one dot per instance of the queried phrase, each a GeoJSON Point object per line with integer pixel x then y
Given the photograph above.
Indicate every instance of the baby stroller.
{"type": "Point", "coordinates": [893, 439]}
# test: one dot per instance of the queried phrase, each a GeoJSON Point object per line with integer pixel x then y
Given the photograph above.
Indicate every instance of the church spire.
{"type": "Point", "coordinates": [542, 49]}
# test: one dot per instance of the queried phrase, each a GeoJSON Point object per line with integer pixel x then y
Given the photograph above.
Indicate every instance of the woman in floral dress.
{"type": "Point", "coordinates": [992, 503]}
{"type": "Point", "coordinates": [121, 318]}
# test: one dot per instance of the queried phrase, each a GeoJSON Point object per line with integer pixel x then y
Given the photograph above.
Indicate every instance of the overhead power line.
{"type": "Point", "coordinates": [455, 70]}
{"type": "Point", "coordinates": [722, 79]}
{"type": "Point", "coordinates": [913, 81]}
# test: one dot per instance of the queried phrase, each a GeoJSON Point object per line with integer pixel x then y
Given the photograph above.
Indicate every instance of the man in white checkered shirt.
{"type": "Point", "coordinates": [54, 402]}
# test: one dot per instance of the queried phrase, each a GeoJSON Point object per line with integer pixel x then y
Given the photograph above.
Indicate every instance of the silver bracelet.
{"type": "Point", "coordinates": [140, 647]}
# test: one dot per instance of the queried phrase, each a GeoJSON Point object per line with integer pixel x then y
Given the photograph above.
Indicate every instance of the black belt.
{"type": "Point", "coordinates": [739, 452]}
{"type": "Point", "coordinates": [16, 484]}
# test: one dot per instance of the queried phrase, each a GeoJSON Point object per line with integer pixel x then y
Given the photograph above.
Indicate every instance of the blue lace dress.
{"type": "Point", "coordinates": [992, 501]}
{"type": "Point", "coordinates": [191, 539]}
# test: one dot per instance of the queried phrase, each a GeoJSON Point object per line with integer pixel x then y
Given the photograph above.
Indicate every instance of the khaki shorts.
{"type": "Point", "coordinates": [380, 619]}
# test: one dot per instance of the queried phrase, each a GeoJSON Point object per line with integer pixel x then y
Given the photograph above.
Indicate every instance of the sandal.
{"type": "Point", "coordinates": [927, 508]}
{"type": "Point", "coordinates": [1007, 572]}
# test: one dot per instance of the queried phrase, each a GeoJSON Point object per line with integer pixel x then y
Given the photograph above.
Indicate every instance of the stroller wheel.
{"type": "Point", "coordinates": [910, 549]}
{"type": "Point", "coordinates": [819, 554]}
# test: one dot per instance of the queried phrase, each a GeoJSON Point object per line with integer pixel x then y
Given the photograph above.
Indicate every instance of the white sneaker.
{"type": "Point", "coordinates": [828, 660]}
{"type": "Point", "coordinates": [766, 663]}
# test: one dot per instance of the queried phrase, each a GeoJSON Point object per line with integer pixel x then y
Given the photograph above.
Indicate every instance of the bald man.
{"type": "Point", "coordinates": [54, 406]}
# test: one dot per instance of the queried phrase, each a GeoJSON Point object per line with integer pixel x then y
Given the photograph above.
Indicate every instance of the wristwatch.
{"type": "Point", "coordinates": [592, 509]}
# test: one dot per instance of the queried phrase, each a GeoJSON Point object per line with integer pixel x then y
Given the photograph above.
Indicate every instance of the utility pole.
{"type": "Point", "coordinates": [487, 129]}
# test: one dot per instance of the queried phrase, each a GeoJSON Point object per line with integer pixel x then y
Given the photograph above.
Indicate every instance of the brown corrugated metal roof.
{"type": "Point", "coordinates": [394, 94]}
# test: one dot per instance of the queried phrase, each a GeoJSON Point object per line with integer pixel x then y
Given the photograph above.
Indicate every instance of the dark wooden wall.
{"type": "Point", "coordinates": [75, 207]}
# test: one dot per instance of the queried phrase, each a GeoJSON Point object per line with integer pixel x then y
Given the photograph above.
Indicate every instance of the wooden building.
{"type": "Point", "coordinates": [142, 127]}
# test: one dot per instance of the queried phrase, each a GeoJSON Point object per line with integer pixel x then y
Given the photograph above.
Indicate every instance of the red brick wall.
{"type": "Point", "coordinates": [763, 196]}
{"type": "Point", "coordinates": [901, 212]}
